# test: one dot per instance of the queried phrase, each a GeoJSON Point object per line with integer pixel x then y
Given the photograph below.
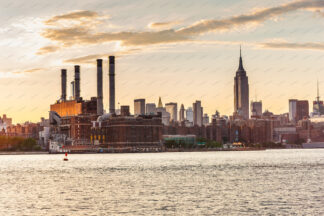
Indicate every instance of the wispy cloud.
{"type": "Point", "coordinates": [32, 70]}
{"type": "Point", "coordinates": [47, 49]}
{"type": "Point", "coordinates": [85, 35]}
{"type": "Point", "coordinates": [74, 15]}
{"type": "Point", "coordinates": [288, 45]}
{"type": "Point", "coordinates": [255, 17]}
{"type": "Point", "coordinates": [163, 25]}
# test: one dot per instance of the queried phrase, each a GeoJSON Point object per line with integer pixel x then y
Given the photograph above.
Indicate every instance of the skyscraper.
{"type": "Point", "coordinates": [181, 113]}
{"type": "Point", "coordinates": [197, 113]}
{"type": "Point", "coordinates": [189, 114]}
{"type": "Point", "coordinates": [318, 107]}
{"type": "Point", "coordinates": [139, 106]}
{"type": "Point", "coordinates": [172, 108]}
{"type": "Point", "coordinates": [241, 91]}
{"type": "Point", "coordinates": [256, 108]}
{"type": "Point", "coordinates": [292, 109]}
{"type": "Point", "coordinates": [150, 108]}
{"type": "Point", "coordinates": [302, 110]}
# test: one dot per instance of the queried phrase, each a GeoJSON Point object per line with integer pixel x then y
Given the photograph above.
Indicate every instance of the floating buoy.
{"type": "Point", "coordinates": [65, 158]}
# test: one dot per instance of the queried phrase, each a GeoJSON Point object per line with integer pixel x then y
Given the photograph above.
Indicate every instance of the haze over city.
{"type": "Point", "coordinates": [164, 48]}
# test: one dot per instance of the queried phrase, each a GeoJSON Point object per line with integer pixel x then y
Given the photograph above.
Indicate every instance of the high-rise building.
{"type": "Point", "coordinates": [318, 108]}
{"type": "Point", "coordinates": [197, 113]}
{"type": "Point", "coordinates": [189, 114]}
{"type": "Point", "coordinates": [205, 119]}
{"type": "Point", "coordinates": [181, 113]}
{"type": "Point", "coordinates": [292, 109]}
{"type": "Point", "coordinates": [241, 91]}
{"type": "Point", "coordinates": [139, 107]}
{"type": "Point", "coordinates": [172, 108]}
{"type": "Point", "coordinates": [150, 108]}
{"type": "Point", "coordinates": [256, 108]}
{"type": "Point", "coordinates": [165, 115]}
{"type": "Point", "coordinates": [302, 110]}
{"type": "Point", "coordinates": [298, 109]}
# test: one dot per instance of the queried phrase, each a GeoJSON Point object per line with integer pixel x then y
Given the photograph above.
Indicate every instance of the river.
{"type": "Point", "coordinates": [286, 182]}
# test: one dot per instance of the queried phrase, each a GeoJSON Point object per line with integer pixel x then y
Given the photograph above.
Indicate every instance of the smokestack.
{"type": "Point", "coordinates": [112, 84]}
{"type": "Point", "coordinates": [72, 90]}
{"type": "Point", "coordinates": [77, 81]}
{"type": "Point", "coordinates": [63, 84]}
{"type": "Point", "coordinates": [99, 87]}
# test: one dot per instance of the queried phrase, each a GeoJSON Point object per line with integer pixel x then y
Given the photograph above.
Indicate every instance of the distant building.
{"type": "Point", "coordinates": [139, 107]}
{"type": "Point", "coordinates": [205, 119]}
{"type": "Point", "coordinates": [302, 110]}
{"type": "Point", "coordinates": [241, 91]}
{"type": "Point", "coordinates": [189, 114]}
{"type": "Point", "coordinates": [318, 108]}
{"type": "Point", "coordinates": [256, 108]}
{"type": "Point", "coordinates": [165, 115]}
{"type": "Point", "coordinates": [172, 108]}
{"type": "Point", "coordinates": [292, 110]}
{"type": "Point", "coordinates": [181, 113]}
{"type": "Point", "coordinates": [298, 109]}
{"type": "Point", "coordinates": [150, 108]}
{"type": "Point", "coordinates": [128, 133]}
{"type": "Point", "coordinates": [197, 113]}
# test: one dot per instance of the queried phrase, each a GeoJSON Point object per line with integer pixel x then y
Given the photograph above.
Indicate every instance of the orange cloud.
{"type": "Point", "coordinates": [47, 49]}
{"type": "Point", "coordinates": [287, 45]}
{"type": "Point", "coordinates": [163, 25]}
{"type": "Point", "coordinates": [75, 15]}
{"type": "Point", "coordinates": [84, 35]}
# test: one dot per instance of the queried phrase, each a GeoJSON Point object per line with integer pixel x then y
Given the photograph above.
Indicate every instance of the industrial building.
{"type": "Point", "coordinates": [83, 123]}
{"type": "Point", "coordinates": [126, 133]}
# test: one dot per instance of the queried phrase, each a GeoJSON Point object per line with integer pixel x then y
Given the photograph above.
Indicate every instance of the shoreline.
{"type": "Point", "coordinates": [23, 153]}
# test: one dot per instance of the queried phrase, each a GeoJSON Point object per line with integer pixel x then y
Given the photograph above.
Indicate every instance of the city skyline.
{"type": "Point", "coordinates": [198, 64]}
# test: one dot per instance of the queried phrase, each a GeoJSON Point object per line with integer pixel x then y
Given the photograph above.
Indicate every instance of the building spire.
{"type": "Point", "coordinates": [160, 103]}
{"type": "Point", "coordinates": [241, 61]}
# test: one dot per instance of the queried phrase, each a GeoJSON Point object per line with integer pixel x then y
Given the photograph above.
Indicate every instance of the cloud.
{"type": "Point", "coordinates": [74, 15]}
{"type": "Point", "coordinates": [47, 49]}
{"type": "Point", "coordinates": [288, 45]}
{"type": "Point", "coordinates": [163, 25]}
{"type": "Point", "coordinates": [85, 35]}
{"type": "Point", "coordinates": [28, 71]}
{"type": "Point", "coordinates": [256, 17]}
{"type": "Point", "coordinates": [91, 59]}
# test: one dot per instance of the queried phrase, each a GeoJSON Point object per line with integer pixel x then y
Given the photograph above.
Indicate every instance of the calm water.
{"type": "Point", "coordinates": [225, 183]}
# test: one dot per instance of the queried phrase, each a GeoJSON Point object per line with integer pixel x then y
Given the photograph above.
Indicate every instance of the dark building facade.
{"type": "Point", "coordinates": [241, 91]}
{"type": "Point", "coordinates": [302, 110]}
{"type": "Point", "coordinates": [128, 133]}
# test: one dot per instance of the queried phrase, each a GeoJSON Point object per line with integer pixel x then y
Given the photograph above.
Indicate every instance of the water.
{"type": "Point", "coordinates": [283, 182]}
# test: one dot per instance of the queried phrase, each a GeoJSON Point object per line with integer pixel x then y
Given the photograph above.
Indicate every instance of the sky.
{"type": "Point", "coordinates": [182, 51]}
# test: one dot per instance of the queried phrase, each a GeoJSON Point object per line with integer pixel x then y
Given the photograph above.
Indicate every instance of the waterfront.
{"type": "Point", "coordinates": [180, 183]}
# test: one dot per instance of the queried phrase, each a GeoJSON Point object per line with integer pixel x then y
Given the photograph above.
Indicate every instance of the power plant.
{"type": "Point", "coordinates": [83, 125]}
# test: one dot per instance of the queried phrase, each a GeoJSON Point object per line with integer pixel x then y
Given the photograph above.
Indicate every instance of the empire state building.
{"type": "Point", "coordinates": [241, 91]}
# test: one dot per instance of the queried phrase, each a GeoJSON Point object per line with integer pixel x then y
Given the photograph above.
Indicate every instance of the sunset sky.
{"type": "Point", "coordinates": [180, 50]}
